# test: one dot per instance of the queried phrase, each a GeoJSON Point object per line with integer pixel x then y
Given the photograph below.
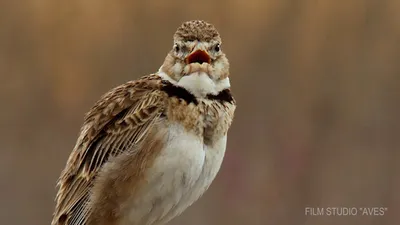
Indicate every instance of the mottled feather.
{"type": "Point", "coordinates": [196, 30]}
{"type": "Point", "coordinates": [116, 123]}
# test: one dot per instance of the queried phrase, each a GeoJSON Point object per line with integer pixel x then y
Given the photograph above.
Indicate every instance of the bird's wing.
{"type": "Point", "coordinates": [117, 122]}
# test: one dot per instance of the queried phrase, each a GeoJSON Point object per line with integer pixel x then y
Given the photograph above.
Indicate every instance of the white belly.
{"type": "Point", "coordinates": [180, 175]}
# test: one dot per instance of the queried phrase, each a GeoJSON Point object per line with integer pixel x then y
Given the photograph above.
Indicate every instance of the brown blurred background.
{"type": "Point", "coordinates": [317, 84]}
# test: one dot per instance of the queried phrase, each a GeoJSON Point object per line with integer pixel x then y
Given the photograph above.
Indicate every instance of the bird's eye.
{"type": "Point", "coordinates": [176, 48]}
{"type": "Point", "coordinates": [217, 47]}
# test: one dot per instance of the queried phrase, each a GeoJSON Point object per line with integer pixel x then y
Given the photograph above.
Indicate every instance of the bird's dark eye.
{"type": "Point", "coordinates": [176, 48]}
{"type": "Point", "coordinates": [217, 47]}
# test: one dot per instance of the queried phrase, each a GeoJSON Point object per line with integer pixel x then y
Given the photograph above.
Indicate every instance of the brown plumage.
{"type": "Point", "coordinates": [196, 30]}
{"type": "Point", "coordinates": [117, 122]}
{"type": "Point", "coordinates": [132, 141]}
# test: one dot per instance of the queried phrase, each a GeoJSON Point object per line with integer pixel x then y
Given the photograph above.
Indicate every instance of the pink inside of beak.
{"type": "Point", "coordinates": [198, 56]}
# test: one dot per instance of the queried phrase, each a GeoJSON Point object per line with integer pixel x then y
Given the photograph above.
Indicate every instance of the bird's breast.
{"type": "Point", "coordinates": [181, 173]}
{"type": "Point", "coordinates": [208, 119]}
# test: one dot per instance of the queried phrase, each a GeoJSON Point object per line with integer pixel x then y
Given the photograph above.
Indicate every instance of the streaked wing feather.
{"type": "Point", "coordinates": [79, 211]}
{"type": "Point", "coordinates": [117, 122]}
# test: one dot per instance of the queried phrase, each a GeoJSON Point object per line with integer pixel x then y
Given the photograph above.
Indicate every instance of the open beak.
{"type": "Point", "coordinates": [199, 56]}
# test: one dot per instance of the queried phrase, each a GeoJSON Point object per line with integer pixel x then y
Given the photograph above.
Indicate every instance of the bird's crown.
{"type": "Point", "coordinates": [196, 30]}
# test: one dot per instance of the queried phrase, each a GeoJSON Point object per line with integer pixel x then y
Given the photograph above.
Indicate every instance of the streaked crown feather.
{"type": "Point", "coordinates": [196, 30]}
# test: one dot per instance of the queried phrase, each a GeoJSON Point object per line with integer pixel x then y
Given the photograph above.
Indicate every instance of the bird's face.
{"type": "Point", "coordinates": [196, 50]}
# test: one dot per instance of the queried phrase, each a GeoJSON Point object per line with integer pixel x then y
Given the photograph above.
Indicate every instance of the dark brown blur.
{"type": "Point", "coordinates": [316, 82]}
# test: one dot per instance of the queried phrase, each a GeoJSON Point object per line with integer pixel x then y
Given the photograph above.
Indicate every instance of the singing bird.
{"type": "Point", "coordinates": [151, 147]}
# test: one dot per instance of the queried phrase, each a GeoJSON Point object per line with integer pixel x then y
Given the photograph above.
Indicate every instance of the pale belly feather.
{"type": "Point", "coordinates": [180, 175]}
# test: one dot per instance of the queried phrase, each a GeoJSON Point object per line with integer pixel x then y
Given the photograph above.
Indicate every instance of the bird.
{"type": "Point", "coordinates": [150, 148]}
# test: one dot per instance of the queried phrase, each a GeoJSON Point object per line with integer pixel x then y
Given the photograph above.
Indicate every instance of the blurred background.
{"type": "Point", "coordinates": [317, 85]}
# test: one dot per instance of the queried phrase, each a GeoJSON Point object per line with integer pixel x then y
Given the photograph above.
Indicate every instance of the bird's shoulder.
{"type": "Point", "coordinates": [128, 110]}
{"type": "Point", "coordinates": [123, 107]}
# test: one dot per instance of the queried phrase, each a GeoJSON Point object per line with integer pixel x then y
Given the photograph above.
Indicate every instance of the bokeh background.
{"type": "Point", "coordinates": [317, 84]}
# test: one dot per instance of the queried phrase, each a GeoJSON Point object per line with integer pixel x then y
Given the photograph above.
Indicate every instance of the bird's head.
{"type": "Point", "coordinates": [196, 60]}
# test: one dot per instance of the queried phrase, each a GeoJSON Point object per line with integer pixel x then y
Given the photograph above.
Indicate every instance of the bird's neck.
{"type": "Point", "coordinates": [199, 83]}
